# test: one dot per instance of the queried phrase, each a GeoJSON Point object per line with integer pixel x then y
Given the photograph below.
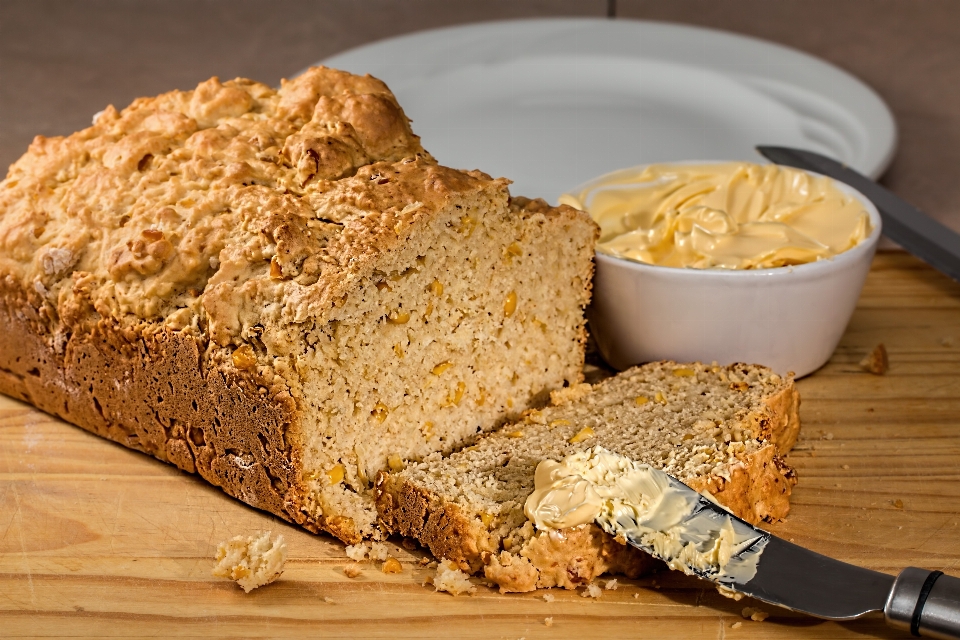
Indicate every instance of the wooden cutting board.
{"type": "Point", "coordinates": [100, 541]}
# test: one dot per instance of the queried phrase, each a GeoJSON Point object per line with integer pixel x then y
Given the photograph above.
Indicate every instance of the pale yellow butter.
{"type": "Point", "coordinates": [647, 507]}
{"type": "Point", "coordinates": [733, 215]}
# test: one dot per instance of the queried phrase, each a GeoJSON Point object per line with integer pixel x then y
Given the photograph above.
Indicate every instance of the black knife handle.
{"type": "Point", "coordinates": [926, 603]}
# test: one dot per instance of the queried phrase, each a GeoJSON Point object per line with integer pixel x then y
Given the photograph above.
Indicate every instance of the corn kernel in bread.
{"type": "Point", "coordinates": [281, 290]}
{"type": "Point", "coordinates": [718, 429]}
{"type": "Point", "coordinates": [251, 561]}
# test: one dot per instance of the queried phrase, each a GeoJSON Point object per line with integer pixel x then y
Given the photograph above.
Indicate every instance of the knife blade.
{"type": "Point", "coordinates": [816, 584]}
{"type": "Point", "coordinates": [903, 223]}
{"type": "Point", "coordinates": [788, 575]}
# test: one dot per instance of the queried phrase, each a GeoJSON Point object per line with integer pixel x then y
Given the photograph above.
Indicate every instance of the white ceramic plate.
{"type": "Point", "coordinates": [551, 103]}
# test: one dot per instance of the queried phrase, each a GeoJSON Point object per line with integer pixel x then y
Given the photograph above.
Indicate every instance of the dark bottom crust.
{"type": "Point", "coordinates": [149, 389]}
{"type": "Point", "coordinates": [406, 509]}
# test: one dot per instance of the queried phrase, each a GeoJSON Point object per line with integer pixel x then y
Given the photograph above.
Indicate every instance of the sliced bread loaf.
{"type": "Point", "coordinates": [719, 429]}
{"type": "Point", "coordinates": [282, 291]}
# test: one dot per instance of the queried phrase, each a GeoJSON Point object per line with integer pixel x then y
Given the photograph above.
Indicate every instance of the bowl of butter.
{"type": "Point", "coordinates": [726, 262]}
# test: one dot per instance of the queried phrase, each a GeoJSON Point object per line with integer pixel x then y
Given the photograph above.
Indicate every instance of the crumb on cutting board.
{"type": "Point", "coordinates": [449, 578]}
{"type": "Point", "coordinates": [251, 561]}
{"type": "Point", "coordinates": [592, 591]}
{"type": "Point", "coordinates": [754, 614]}
{"type": "Point", "coordinates": [352, 570]}
{"type": "Point", "coordinates": [368, 551]}
{"type": "Point", "coordinates": [549, 597]}
{"type": "Point", "coordinates": [357, 552]}
{"type": "Point", "coordinates": [378, 551]}
{"type": "Point", "coordinates": [727, 592]}
{"type": "Point", "coordinates": [876, 362]}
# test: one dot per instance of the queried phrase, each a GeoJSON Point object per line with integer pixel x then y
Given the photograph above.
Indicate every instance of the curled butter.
{"type": "Point", "coordinates": [646, 507]}
{"type": "Point", "coordinates": [733, 215]}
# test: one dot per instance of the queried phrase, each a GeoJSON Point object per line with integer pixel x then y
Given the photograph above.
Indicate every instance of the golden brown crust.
{"type": "Point", "coordinates": [149, 203]}
{"type": "Point", "coordinates": [785, 411]}
{"type": "Point", "coordinates": [119, 384]}
{"type": "Point", "coordinates": [757, 491]}
{"type": "Point", "coordinates": [568, 559]}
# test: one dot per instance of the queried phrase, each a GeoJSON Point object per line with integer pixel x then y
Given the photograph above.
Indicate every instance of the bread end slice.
{"type": "Point", "coordinates": [719, 429]}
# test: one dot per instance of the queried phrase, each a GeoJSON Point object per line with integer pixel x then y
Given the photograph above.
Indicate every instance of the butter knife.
{"type": "Point", "coordinates": [903, 223]}
{"type": "Point", "coordinates": [926, 603]}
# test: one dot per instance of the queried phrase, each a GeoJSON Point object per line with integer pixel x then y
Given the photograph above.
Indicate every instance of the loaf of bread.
{"type": "Point", "coordinates": [720, 430]}
{"type": "Point", "coordinates": [281, 291]}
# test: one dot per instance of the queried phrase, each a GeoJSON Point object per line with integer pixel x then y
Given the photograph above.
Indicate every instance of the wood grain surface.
{"type": "Point", "coordinates": [99, 541]}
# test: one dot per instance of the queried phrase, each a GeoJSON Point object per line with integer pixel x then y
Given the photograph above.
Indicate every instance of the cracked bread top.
{"type": "Point", "coordinates": [204, 209]}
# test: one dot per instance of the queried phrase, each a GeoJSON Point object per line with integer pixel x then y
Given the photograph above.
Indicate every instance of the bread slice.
{"type": "Point", "coordinates": [282, 291]}
{"type": "Point", "coordinates": [719, 429]}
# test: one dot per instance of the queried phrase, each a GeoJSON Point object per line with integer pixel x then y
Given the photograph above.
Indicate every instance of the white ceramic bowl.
{"type": "Point", "coordinates": [786, 318]}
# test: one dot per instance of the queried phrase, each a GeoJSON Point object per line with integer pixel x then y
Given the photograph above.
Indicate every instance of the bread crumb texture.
{"type": "Point", "coordinates": [726, 592]}
{"type": "Point", "coordinates": [592, 591]}
{"type": "Point", "coordinates": [282, 291]}
{"type": "Point", "coordinates": [721, 430]}
{"type": "Point", "coordinates": [251, 561]}
{"type": "Point", "coordinates": [357, 552]}
{"type": "Point", "coordinates": [754, 614]}
{"type": "Point", "coordinates": [451, 579]}
{"type": "Point", "coordinates": [374, 551]}
{"type": "Point", "coordinates": [876, 362]}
